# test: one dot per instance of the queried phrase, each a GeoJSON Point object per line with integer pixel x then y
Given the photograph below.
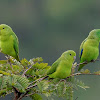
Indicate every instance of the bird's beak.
{"type": "Point", "coordinates": [74, 57]}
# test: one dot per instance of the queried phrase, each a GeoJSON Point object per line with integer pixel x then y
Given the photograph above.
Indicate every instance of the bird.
{"type": "Point", "coordinates": [61, 68]}
{"type": "Point", "coordinates": [89, 48]}
{"type": "Point", "coordinates": [9, 41]}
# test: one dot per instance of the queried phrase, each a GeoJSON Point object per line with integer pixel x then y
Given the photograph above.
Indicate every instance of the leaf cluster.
{"type": "Point", "coordinates": [29, 78]}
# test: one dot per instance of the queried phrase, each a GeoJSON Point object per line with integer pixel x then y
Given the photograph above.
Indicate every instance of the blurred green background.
{"type": "Point", "coordinates": [46, 28]}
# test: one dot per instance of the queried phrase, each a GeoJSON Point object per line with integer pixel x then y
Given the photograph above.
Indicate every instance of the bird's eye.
{"type": "Point", "coordinates": [3, 28]}
{"type": "Point", "coordinates": [70, 54]}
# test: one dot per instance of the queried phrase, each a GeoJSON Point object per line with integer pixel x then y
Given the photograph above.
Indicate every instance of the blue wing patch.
{"type": "Point", "coordinates": [81, 53]}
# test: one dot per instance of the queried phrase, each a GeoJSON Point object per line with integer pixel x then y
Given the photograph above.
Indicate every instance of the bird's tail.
{"type": "Point", "coordinates": [80, 67]}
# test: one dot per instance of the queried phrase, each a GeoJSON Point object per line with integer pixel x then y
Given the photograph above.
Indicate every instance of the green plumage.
{"type": "Point", "coordinates": [8, 41]}
{"type": "Point", "coordinates": [89, 49]}
{"type": "Point", "coordinates": [61, 68]}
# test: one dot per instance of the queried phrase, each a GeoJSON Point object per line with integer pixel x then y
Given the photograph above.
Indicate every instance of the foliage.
{"type": "Point", "coordinates": [28, 78]}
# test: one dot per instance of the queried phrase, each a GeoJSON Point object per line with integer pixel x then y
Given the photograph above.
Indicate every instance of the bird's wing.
{"type": "Point", "coordinates": [53, 67]}
{"type": "Point", "coordinates": [81, 48]}
{"type": "Point", "coordinates": [15, 45]}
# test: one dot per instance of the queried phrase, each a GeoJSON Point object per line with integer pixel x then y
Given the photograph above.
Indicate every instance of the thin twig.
{"type": "Point", "coordinates": [32, 86]}
{"type": "Point", "coordinates": [17, 94]}
{"type": "Point", "coordinates": [84, 74]}
{"type": "Point", "coordinates": [88, 62]}
{"type": "Point", "coordinates": [76, 98]}
{"type": "Point", "coordinates": [27, 69]}
{"type": "Point", "coordinates": [29, 94]}
{"type": "Point", "coordinates": [36, 81]}
{"type": "Point", "coordinates": [82, 63]}
{"type": "Point", "coordinates": [43, 78]}
{"type": "Point", "coordinates": [23, 95]}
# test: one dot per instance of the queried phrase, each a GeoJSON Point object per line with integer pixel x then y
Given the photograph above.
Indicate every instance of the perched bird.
{"type": "Point", "coordinates": [61, 68]}
{"type": "Point", "coordinates": [89, 49]}
{"type": "Point", "coordinates": [8, 41]}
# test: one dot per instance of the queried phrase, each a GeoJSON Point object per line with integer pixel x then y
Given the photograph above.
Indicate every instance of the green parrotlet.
{"type": "Point", "coordinates": [61, 68]}
{"type": "Point", "coordinates": [89, 48]}
{"type": "Point", "coordinates": [8, 41]}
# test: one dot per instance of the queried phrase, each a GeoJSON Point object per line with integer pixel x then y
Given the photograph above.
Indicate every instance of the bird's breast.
{"type": "Point", "coordinates": [92, 43]}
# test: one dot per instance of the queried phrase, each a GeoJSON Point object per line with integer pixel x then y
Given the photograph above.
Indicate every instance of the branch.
{"type": "Point", "coordinates": [76, 98]}
{"type": "Point", "coordinates": [17, 94]}
{"type": "Point", "coordinates": [32, 86]}
{"type": "Point", "coordinates": [23, 95]}
{"type": "Point", "coordinates": [29, 94]}
{"type": "Point", "coordinates": [26, 93]}
{"type": "Point", "coordinates": [65, 78]}
{"type": "Point", "coordinates": [88, 62]}
{"type": "Point", "coordinates": [36, 81]}
{"type": "Point", "coordinates": [27, 69]}
{"type": "Point", "coordinates": [82, 63]}
{"type": "Point", "coordinates": [83, 74]}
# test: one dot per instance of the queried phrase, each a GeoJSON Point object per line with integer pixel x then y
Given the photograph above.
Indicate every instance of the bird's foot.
{"type": "Point", "coordinates": [85, 62]}
{"type": "Point", "coordinates": [92, 61]}
{"type": "Point", "coordinates": [95, 60]}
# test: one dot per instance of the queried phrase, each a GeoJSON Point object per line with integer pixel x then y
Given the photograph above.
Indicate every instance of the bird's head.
{"type": "Point", "coordinates": [95, 34]}
{"type": "Point", "coordinates": [69, 55]}
{"type": "Point", "coordinates": [4, 29]}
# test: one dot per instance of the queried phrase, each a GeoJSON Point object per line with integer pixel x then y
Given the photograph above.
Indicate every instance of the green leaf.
{"type": "Point", "coordinates": [69, 92]}
{"type": "Point", "coordinates": [4, 73]}
{"type": "Point", "coordinates": [85, 71]}
{"type": "Point", "coordinates": [80, 84]}
{"type": "Point", "coordinates": [16, 69]}
{"type": "Point", "coordinates": [3, 82]}
{"type": "Point", "coordinates": [6, 91]}
{"type": "Point", "coordinates": [98, 72]}
{"type": "Point", "coordinates": [36, 97]}
{"type": "Point", "coordinates": [38, 59]}
{"type": "Point", "coordinates": [3, 92]}
{"type": "Point", "coordinates": [43, 85]}
{"type": "Point", "coordinates": [22, 83]}
{"type": "Point", "coordinates": [61, 88]}
{"type": "Point", "coordinates": [3, 61]}
{"type": "Point", "coordinates": [41, 65]}
{"type": "Point", "coordinates": [24, 62]}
